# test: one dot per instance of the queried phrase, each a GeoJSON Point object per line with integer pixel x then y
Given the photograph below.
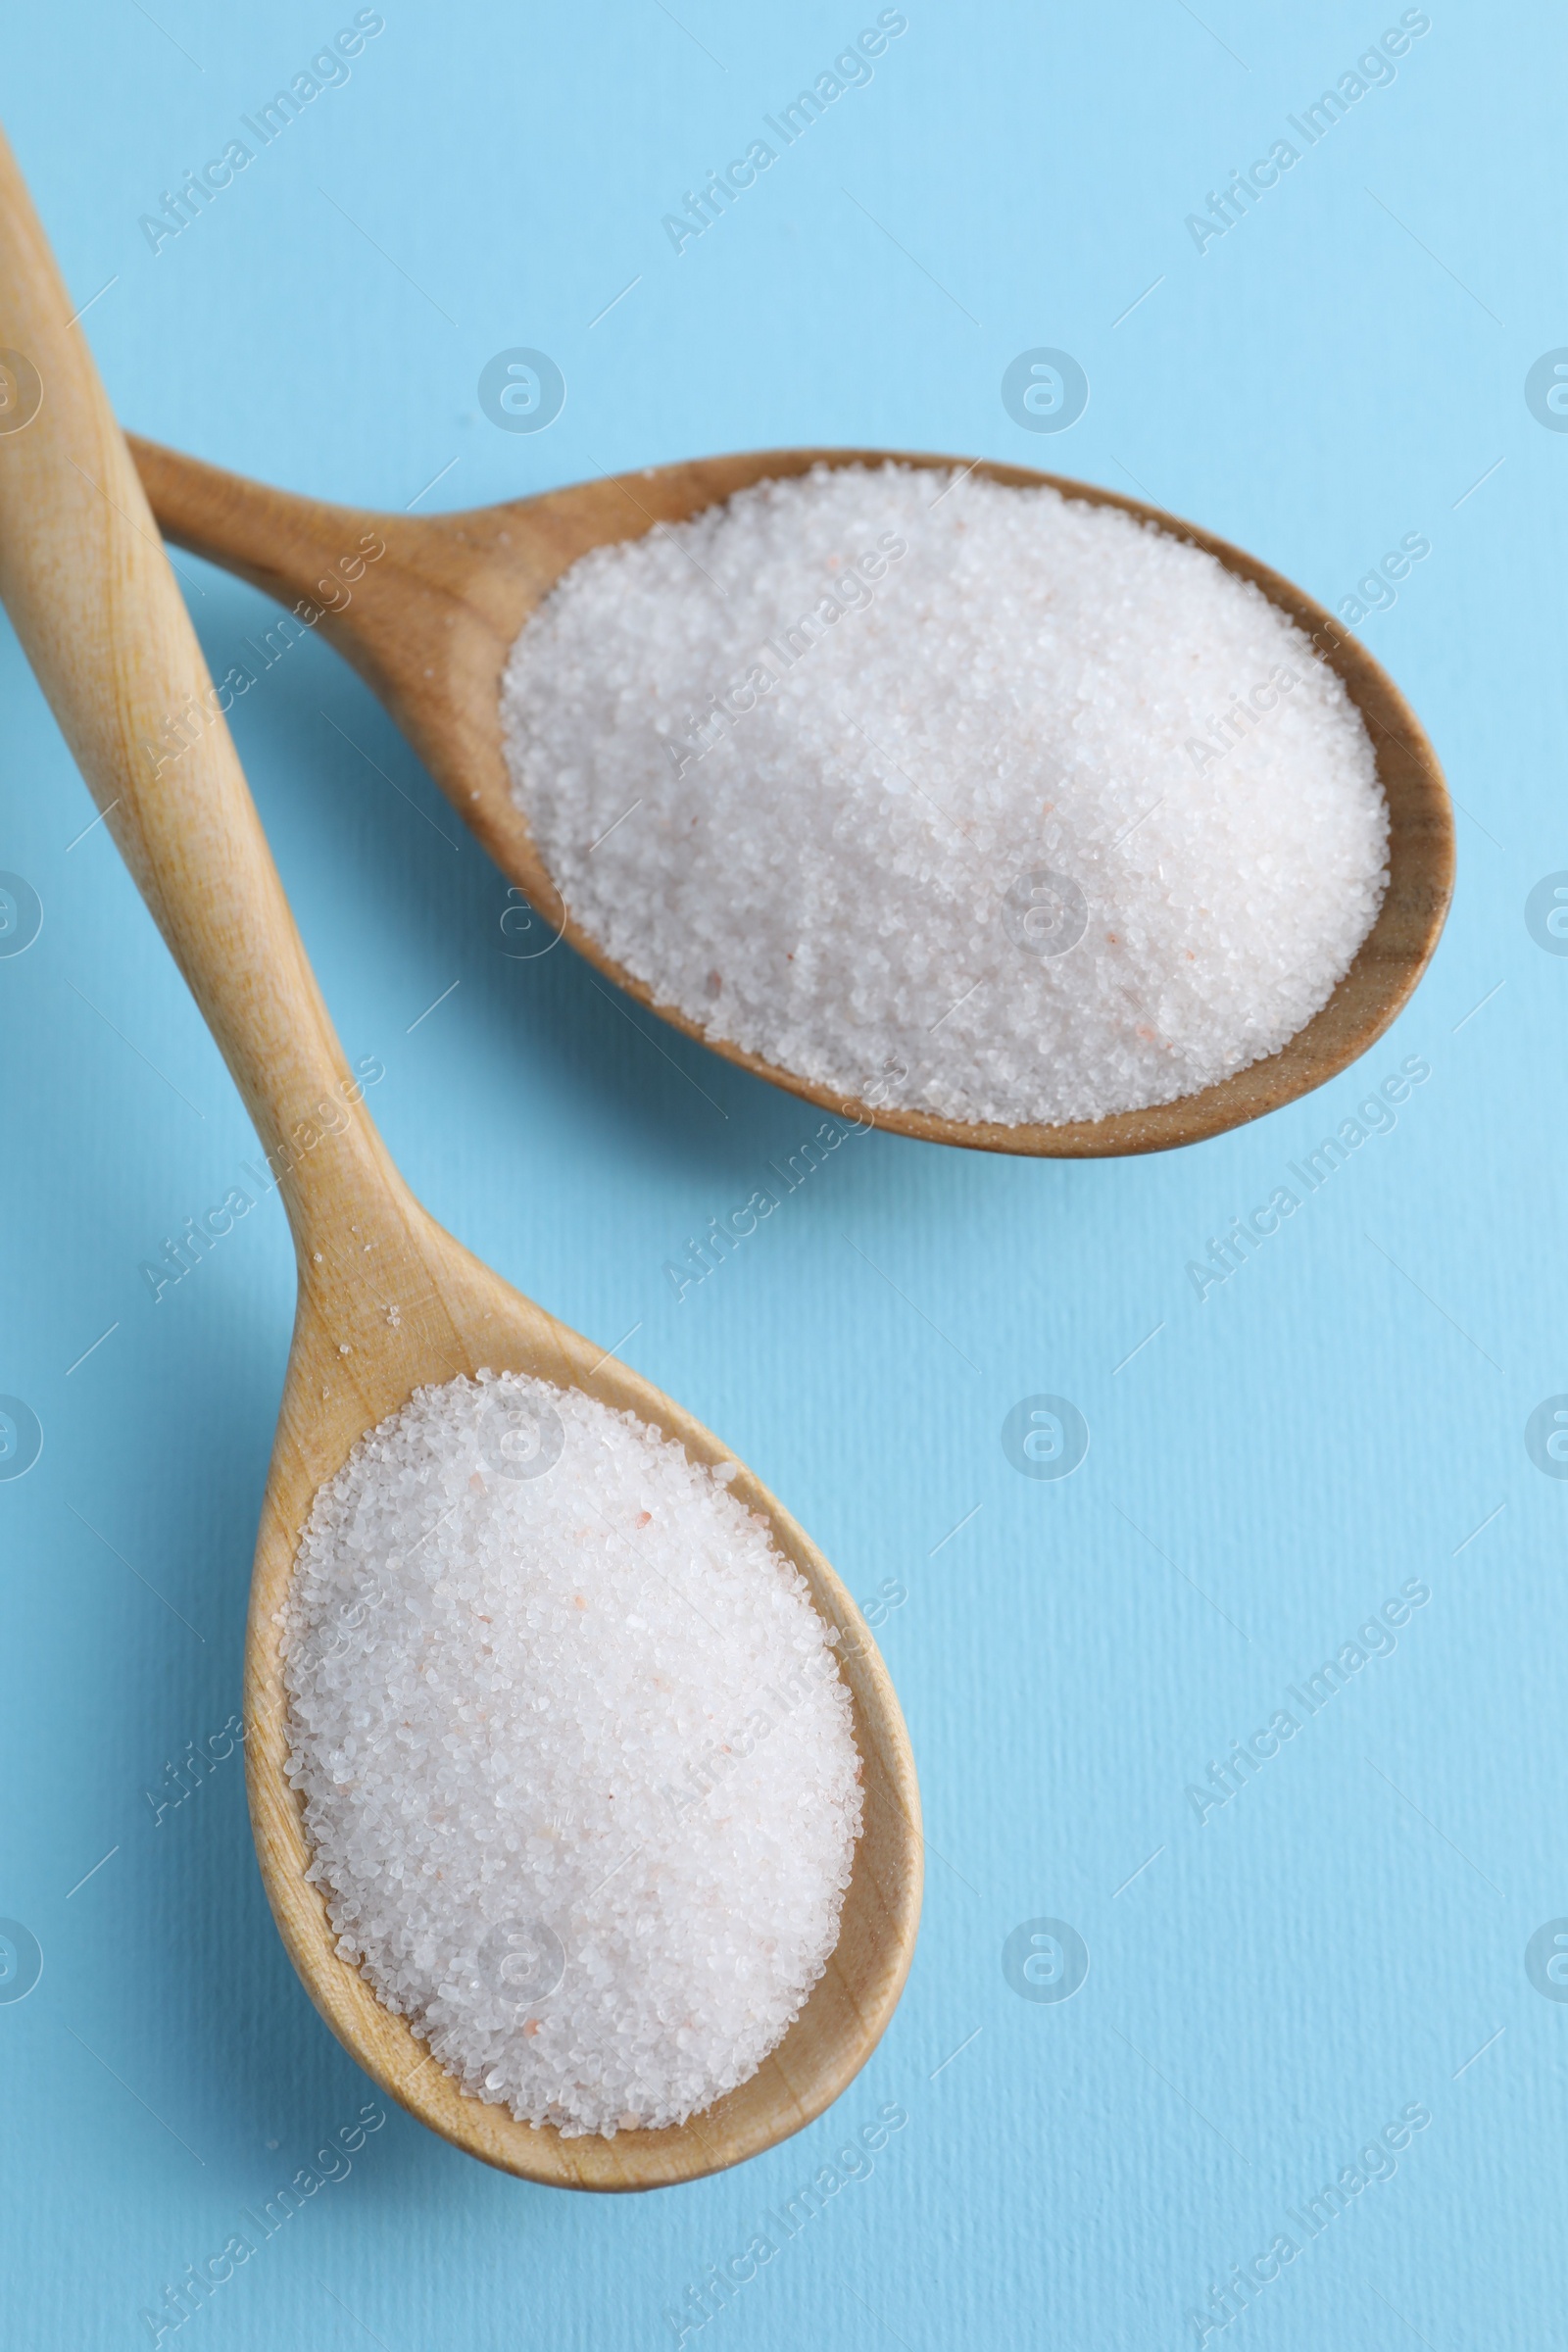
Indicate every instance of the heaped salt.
{"type": "Point", "coordinates": [578, 1766]}
{"type": "Point", "coordinates": [888, 768]}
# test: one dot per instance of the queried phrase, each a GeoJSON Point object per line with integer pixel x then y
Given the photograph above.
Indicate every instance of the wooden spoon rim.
{"type": "Point", "coordinates": [1364, 1002]}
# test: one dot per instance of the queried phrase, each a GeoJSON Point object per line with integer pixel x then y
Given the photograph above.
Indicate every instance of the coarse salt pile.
{"type": "Point", "coordinates": [578, 1768]}
{"type": "Point", "coordinates": [882, 771]}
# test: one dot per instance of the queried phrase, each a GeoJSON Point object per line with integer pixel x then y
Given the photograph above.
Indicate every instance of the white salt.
{"type": "Point", "coordinates": [891, 769]}
{"type": "Point", "coordinates": [579, 1774]}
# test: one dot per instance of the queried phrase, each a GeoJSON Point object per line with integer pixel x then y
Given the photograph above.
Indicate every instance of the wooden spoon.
{"type": "Point", "coordinates": [430, 621]}
{"type": "Point", "coordinates": [84, 577]}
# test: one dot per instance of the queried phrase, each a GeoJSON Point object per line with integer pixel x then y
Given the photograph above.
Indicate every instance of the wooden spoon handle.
{"type": "Point", "coordinates": [380, 587]}
{"type": "Point", "coordinates": [301, 551]}
{"type": "Point", "coordinates": [86, 582]}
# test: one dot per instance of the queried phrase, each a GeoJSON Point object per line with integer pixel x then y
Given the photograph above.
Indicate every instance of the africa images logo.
{"type": "Point", "coordinates": [1044, 1437]}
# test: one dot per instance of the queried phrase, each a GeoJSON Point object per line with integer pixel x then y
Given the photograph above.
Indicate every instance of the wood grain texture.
{"type": "Point", "coordinates": [430, 625]}
{"type": "Point", "coordinates": [84, 577]}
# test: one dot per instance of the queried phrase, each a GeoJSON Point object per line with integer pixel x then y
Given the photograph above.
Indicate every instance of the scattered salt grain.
{"type": "Point", "coordinates": [885, 769]}
{"type": "Point", "coordinates": [579, 1774]}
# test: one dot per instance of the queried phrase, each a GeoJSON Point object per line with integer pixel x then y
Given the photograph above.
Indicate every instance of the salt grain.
{"type": "Point", "coordinates": [892, 769]}
{"type": "Point", "coordinates": [579, 1774]}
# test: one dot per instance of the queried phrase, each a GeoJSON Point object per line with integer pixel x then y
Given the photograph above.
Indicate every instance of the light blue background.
{"type": "Point", "coordinates": [1341, 1939]}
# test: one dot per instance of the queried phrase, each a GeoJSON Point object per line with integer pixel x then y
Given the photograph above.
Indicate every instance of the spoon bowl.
{"type": "Point", "coordinates": [430, 621]}
{"type": "Point", "coordinates": [388, 1301]}
{"type": "Point", "coordinates": [349, 1368]}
